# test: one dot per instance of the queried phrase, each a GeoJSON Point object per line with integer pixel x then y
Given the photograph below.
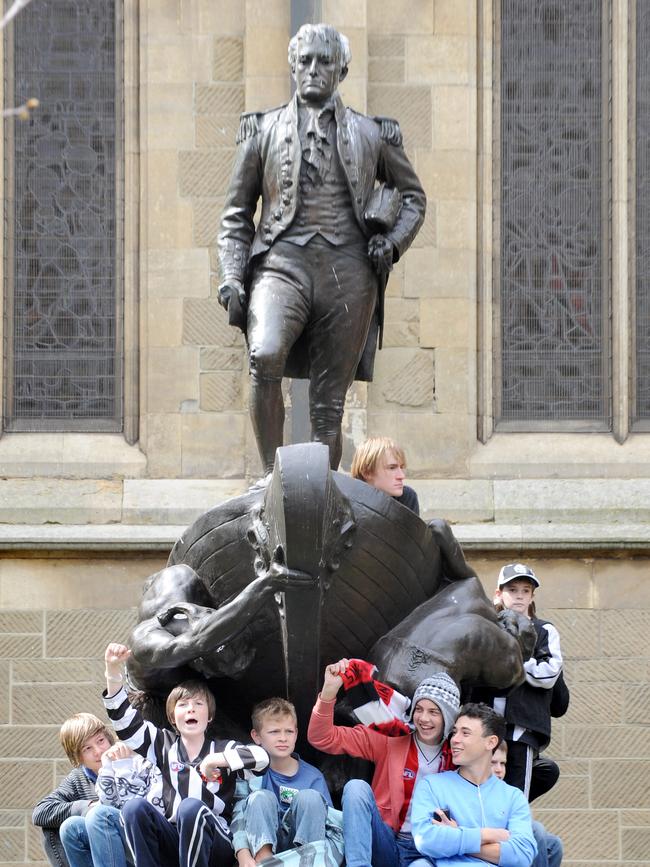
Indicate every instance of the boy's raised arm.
{"type": "Point", "coordinates": [115, 657]}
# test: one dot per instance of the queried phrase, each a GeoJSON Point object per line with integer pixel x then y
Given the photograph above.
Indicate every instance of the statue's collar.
{"type": "Point", "coordinates": [334, 103]}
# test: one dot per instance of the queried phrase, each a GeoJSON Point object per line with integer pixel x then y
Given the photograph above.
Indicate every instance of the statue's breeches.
{"type": "Point", "coordinates": [326, 293]}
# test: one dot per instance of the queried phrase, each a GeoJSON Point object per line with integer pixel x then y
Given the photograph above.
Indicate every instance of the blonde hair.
{"type": "Point", "coordinates": [190, 689]}
{"type": "Point", "coordinates": [274, 708]}
{"type": "Point", "coordinates": [76, 730]}
{"type": "Point", "coordinates": [369, 453]}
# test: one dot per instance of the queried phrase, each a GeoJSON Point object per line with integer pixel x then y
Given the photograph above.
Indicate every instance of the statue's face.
{"type": "Point", "coordinates": [316, 71]}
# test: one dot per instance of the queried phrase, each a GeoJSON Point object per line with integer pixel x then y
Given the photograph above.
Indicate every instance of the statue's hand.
{"type": "Point", "coordinates": [520, 628]}
{"type": "Point", "coordinates": [186, 610]}
{"type": "Point", "coordinates": [228, 290]}
{"type": "Point", "coordinates": [278, 577]}
{"type": "Point", "coordinates": [380, 253]}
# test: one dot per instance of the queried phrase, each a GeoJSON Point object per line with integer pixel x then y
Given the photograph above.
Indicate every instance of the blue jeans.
{"type": "Point", "coordinates": [96, 838]}
{"type": "Point", "coordinates": [302, 822]}
{"type": "Point", "coordinates": [369, 841]}
{"type": "Point", "coordinates": [549, 847]}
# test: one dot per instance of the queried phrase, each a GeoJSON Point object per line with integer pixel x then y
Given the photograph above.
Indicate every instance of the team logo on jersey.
{"type": "Point", "coordinates": [287, 794]}
{"type": "Point", "coordinates": [409, 774]}
{"type": "Point", "coordinates": [177, 767]}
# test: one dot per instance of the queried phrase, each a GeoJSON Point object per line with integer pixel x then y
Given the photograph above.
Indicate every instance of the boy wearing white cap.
{"type": "Point", "coordinates": [377, 818]}
{"type": "Point", "coordinates": [527, 709]}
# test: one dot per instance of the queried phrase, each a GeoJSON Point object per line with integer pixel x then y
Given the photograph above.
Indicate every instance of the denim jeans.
{"type": "Point", "coordinates": [549, 847]}
{"type": "Point", "coordinates": [369, 841]}
{"type": "Point", "coordinates": [95, 838]}
{"type": "Point", "coordinates": [302, 822]}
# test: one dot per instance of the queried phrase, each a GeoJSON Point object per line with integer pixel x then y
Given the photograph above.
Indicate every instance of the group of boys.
{"type": "Point", "coordinates": [433, 798]}
{"type": "Point", "coordinates": [182, 797]}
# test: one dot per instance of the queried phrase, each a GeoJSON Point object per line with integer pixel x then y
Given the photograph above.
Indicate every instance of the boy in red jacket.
{"type": "Point", "coordinates": [377, 818]}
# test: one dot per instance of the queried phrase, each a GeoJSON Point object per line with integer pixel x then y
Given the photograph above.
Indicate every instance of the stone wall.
{"type": "Point", "coordinates": [54, 631]}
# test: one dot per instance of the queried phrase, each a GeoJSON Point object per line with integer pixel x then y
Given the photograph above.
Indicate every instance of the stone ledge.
{"type": "Point", "coordinates": [69, 455]}
{"type": "Point", "coordinates": [473, 537]}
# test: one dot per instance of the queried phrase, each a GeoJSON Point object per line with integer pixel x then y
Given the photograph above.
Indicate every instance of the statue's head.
{"type": "Point", "coordinates": [319, 57]}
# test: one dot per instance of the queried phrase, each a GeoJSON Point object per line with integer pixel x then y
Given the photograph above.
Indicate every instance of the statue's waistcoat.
{"type": "Point", "coordinates": [325, 210]}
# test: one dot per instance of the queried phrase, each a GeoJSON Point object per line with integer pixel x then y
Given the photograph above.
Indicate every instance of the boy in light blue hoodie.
{"type": "Point", "coordinates": [469, 816]}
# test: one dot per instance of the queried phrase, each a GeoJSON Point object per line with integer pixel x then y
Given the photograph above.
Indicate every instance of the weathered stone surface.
{"type": "Point", "coordinates": [455, 17]}
{"type": "Point", "coordinates": [412, 383]}
{"type": "Point", "coordinates": [597, 738]}
{"type": "Point", "coordinates": [454, 110]}
{"type": "Point", "coordinates": [212, 445]}
{"type": "Point", "coordinates": [618, 784]}
{"type": "Point", "coordinates": [436, 273]}
{"type": "Point", "coordinates": [12, 646]}
{"type": "Point", "coordinates": [31, 741]}
{"type": "Point", "coordinates": [222, 359]}
{"type": "Point", "coordinates": [579, 632]}
{"type": "Point", "coordinates": [569, 793]}
{"type": "Point", "coordinates": [168, 393]}
{"type": "Point", "coordinates": [50, 704]}
{"type": "Point", "coordinates": [71, 501]}
{"type": "Point", "coordinates": [228, 59]}
{"type": "Point", "coordinates": [427, 236]}
{"type": "Point", "coordinates": [169, 269]}
{"type": "Point", "coordinates": [588, 835]}
{"type": "Point", "coordinates": [623, 630]}
{"type": "Point", "coordinates": [57, 671]}
{"type": "Point", "coordinates": [636, 843]}
{"type": "Point", "coordinates": [216, 132]}
{"type": "Point", "coordinates": [380, 45]}
{"type": "Point", "coordinates": [220, 391]}
{"type": "Point", "coordinates": [85, 632]}
{"type": "Point", "coordinates": [153, 500]}
{"type": "Point", "coordinates": [452, 379]}
{"type": "Point", "coordinates": [573, 499]}
{"type": "Point", "coordinates": [400, 16]}
{"type": "Point", "coordinates": [622, 583]}
{"type": "Point", "coordinates": [21, 621]}
{"type": "Point", "coordinates": [23, 790]}
{"type": "Point", "coordinates": [386, 69]}
{"type": "Point", "coordinates": [207, 213]}
{"type": "Point", "coordinates": [457, 500]}
{"type": "Point", "coordinates": [12, 844]}
{"type": "Point", "coordinates": [218, 99]}
{"type": "Point", "coordinates": [205, 323]}
{"type": "Point", "coordinates": [447, 175]}
{"type": "Point", "coordinates": [632, 671]}
{"type": "Point", "coordinates": [55, 583]}
{"type": "Point", "coordinates": [445, 322]}
{"type": "Point", "coordinates": [165, 322]}
{"type": "Point", "coordinates": [635, 818]}
{"type": "Point", "coordinates": [636, 705]}
{"type": "Point", "coordinates": [205, 173]}
{"type": "Point", "coordinates": [409, 103]}
{"type": "Point", "coordinates": [5, 694]}
{"type": "Point", "coordinates": [440, 59]}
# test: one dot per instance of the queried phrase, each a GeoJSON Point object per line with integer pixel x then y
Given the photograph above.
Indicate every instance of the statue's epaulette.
{"type": "Point", "coordinates": [390, 131]}
{"type": "Point", "coordinates": [248, 126]}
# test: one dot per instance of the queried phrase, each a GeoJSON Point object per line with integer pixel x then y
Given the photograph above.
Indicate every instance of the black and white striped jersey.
{"type": "Point", "coordinates": [181, 778]}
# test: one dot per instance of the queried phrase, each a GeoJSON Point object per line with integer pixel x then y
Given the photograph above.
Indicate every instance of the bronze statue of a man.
{"type": "Point", "coordinates": [306, 284]}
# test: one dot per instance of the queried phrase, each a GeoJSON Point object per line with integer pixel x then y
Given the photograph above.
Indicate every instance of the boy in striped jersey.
{"type": "Point", "coordinates": [199, 775]}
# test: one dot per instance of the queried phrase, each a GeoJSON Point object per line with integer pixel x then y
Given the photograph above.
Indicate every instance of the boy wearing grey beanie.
{"type": "Point", "coordinates": [376, 818]}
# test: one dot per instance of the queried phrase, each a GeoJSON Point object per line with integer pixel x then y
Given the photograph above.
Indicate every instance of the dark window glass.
{"type": "Point", "coordinates": [552, 341]}
{"type": "Point", "coordinates": [64, 222]}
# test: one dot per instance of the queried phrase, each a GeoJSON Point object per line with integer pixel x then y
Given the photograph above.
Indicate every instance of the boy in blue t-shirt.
{"type": "Point", "coordinates": [289, 807]}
